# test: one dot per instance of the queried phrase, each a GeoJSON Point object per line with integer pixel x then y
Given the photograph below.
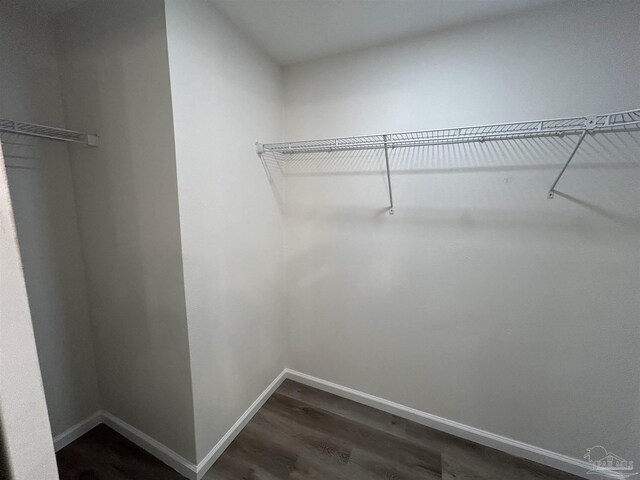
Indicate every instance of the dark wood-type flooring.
{"type": "Point", "coordinates": [103, 454]}
{"type": "Point", "coordinates": [303, 433]}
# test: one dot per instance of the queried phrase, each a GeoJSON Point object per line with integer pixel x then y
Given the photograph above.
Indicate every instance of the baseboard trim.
{"type": "Point", "coordinates": [155, 448]}
{"type": "Point", "coordinates": [144, 441]}
{"type": "Point", "coordinates": [163, 453]}
{"type": "Point", "coordinates": [228, 437]}
{"type": "Point", "coordinates": [499, 442]}
{"type": "Point", "coordinates": [76, 431]}
{"type": "Point", "coordinates": [196, 472]}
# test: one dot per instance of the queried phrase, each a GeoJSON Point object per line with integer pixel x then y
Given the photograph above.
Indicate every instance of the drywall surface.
{"type": "Point", "coordinates": [226, 95]}
{"type": "Point", "coordinates": [116, 83]}
{"type": "Point", "coordinates": [480, 300]}
{"type": "Point", "coordinates": [45, 212]}
{"type": "Point", "coordinates": [27, 448]}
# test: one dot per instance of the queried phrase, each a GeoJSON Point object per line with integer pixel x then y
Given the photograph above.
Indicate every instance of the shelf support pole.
{"type": "Point", "coordinates": [386, 161]}
{"type": "Point", "coordinates": [552, 190]}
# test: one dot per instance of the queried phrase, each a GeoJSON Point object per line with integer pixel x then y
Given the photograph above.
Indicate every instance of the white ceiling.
{"type": "Point", "coordinates": [40, 8]}
{"type": "Point", "coordinates": [292, 31]}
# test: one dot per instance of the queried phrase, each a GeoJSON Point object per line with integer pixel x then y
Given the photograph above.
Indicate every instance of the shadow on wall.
{"type": "Point", "coordinates": [599, 153]}
{"type": "Point", "coordinates": [44, 210]}
{"type": "Point", "coordinates": [480, 219]}
{"type": "Point", "coordinates": [4, 458]}
{"type": "Point", "coordinates": [18, 152]}
{"type": "Point", "coordinates": [274, 166]}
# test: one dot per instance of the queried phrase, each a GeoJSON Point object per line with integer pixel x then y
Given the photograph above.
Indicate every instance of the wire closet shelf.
{"type": "Point", "coordinates": [582, 125]}
{"type": "Point", "coordinates": [43, 131]}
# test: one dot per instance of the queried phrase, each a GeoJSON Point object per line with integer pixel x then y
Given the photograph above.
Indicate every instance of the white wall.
{"type": "Point", "coordinates": [42, 193]}
{"type": "Point", "coordinates": [116, 82]}
{"type": "Point", "coordinates": [226, 95]}
{"type": "Point", "coordinates": [480, 301]}
{"type": "Point", "coordinates": [25, 437]}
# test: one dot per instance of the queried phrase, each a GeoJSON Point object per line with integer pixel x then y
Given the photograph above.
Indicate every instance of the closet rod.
{"type": "Point", "coordinates": [607, 122]}
{"type": "Point", "coordinates": [43, 131]}
{"type": "Point", "coordinates": [590, 124]}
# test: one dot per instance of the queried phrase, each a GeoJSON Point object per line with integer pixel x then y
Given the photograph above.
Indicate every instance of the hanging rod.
{"type": "Point", "coordinates": [605, 123]}
{"type": "Point", "coordinates": [43, 131]}
{"type": "Point", "coordinates": [501, 131]}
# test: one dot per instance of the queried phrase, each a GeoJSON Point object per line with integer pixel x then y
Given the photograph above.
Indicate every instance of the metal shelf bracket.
{"type": "Point", "coordinates": [552, 190]}
{"type": "Point", "coordinates": [386, 161]}
{"type": "Point", "coordinates": [590, 124]}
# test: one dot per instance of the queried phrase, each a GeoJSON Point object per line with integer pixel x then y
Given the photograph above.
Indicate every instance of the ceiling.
{"type": "Point", "coordinates": [41, 8]}
{"type": "Point", "coordinates": [292, 31]}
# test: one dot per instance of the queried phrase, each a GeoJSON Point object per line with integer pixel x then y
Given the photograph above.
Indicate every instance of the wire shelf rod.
{"type": "Point", "coordinates": [43, 131]}
{"type": "Point", "coordinates": [609, 122]}
{"type": "Point", "coordinates": [624, 121]}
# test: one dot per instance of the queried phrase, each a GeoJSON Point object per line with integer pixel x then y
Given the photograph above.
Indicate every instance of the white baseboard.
{"type": "Point", "coordinates": [144, 441]}
{"type": "Point", "coordinates": [76, 431]}
{"type": "Point", "coordinates": [228, 437]}
{"type": "Point", "coordinates": [155, 448]}
{"type": "Point", "coordinates": [196, 472]}
{"type": "Point", "coordinates": [499, 442]}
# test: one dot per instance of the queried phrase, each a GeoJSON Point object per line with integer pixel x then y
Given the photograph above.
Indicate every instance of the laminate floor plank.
{"type": "Point", "coordinates": [367, 465]}
{"type": "Point", "coordinates": [397, 426]}
{"type": "Point", "coordinates": [488, 463]}
{"type": "Point", "coordinates": [230, 468]}
{"type": "Point", "coordinates": [266, 455]}
{"type": "Point", "coordinates": [304, 440]}
{"type": "Point", "coordinates": [321, 453]}
{"type": "Point", "coordinates": [357, 434]}
{"type": "Point", "coordinates": [103, 454]}
{"type": "Point", "coordinates": [484, 463]}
